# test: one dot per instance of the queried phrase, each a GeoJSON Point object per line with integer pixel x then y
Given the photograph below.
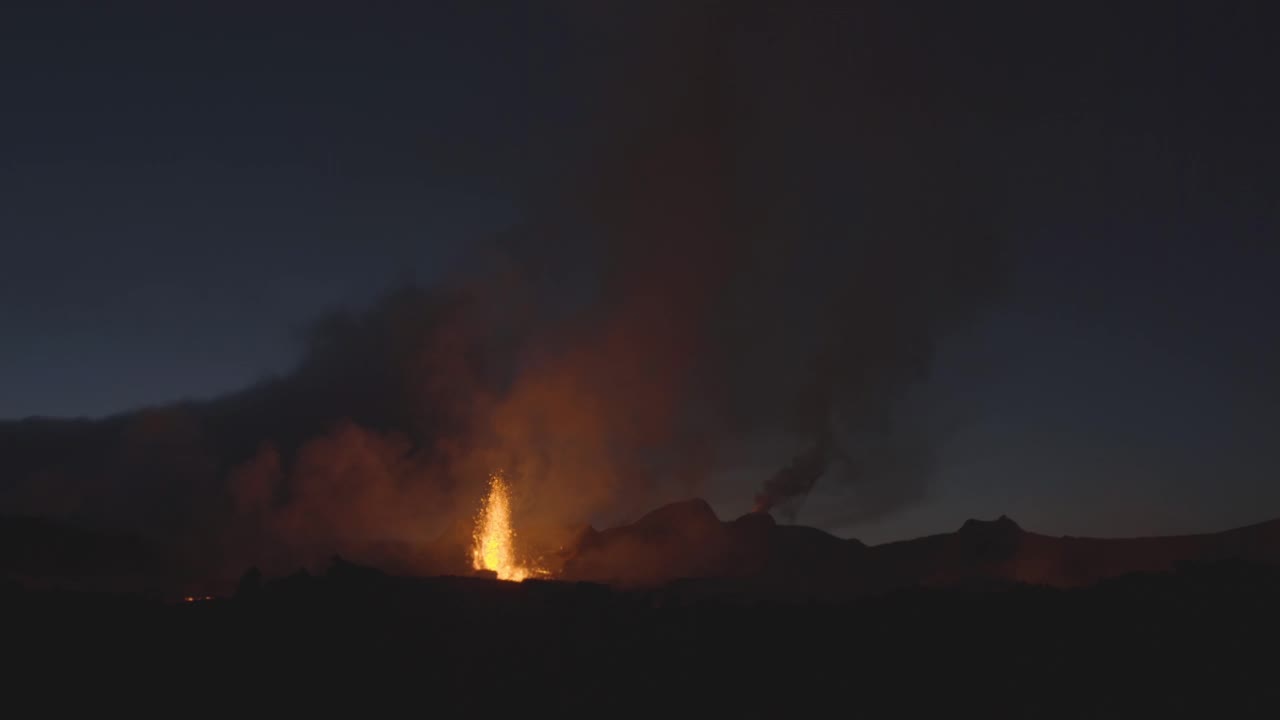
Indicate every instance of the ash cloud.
{"type": "Point", "coordinates": [758, 232]}
{"type": "Point", "coordinates": [810, 224]}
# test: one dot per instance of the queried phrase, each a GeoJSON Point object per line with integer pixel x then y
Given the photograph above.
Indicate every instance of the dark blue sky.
{"type": "Point", "coordinates": [183, 191]}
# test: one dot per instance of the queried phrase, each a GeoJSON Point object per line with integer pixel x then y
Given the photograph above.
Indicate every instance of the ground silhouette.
{"type": "Point", "coordinates": [1196, 642]}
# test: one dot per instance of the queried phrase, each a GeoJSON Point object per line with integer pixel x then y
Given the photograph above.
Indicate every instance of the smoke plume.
{"type": "Point", "coordinates": [755, 234]}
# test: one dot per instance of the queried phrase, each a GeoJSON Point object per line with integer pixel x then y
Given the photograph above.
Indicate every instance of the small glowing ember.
{"type": "Point", "coordinates": [494, 538]}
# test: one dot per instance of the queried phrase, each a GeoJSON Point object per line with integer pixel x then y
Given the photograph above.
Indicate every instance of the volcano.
{"type": "Point", "coordinates": [684, 547]}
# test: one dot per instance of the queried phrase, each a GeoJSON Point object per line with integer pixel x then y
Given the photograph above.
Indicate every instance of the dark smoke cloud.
{"type": "Point", "coordinates": [798, 477]}
{"type": "Point", "coordinates": [758, 233]}
{"type": "Point", "coordinates": [812, 227]}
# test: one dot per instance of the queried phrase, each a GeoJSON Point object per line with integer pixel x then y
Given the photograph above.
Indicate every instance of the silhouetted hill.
{"type": "Point", "coordinates": [686, 541]}
{"type": "Point", "coordinates": [1002, 552]}
{"type": "Point", "coordinates": [45, 551]}
{"type": "Point", "coordinates": [1192, 643]}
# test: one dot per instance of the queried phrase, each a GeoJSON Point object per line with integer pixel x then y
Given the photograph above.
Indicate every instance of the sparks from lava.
{"type": "Point", "coordinates": [493, 545]}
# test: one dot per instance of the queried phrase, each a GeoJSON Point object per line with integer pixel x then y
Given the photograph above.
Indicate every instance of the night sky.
{"type": "Point", "coordinates": [184, 191]}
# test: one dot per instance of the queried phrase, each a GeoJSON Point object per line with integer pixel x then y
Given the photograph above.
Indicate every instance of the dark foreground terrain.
{"type": "Point", "coordinates": [1198, 642]}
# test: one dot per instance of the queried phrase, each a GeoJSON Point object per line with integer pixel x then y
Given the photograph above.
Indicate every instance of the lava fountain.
{"type": "Point", "coordinates": [493, 546]}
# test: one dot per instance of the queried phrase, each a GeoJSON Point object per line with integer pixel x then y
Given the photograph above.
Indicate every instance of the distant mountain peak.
{"type": "Point", "coordinates": [694, 510]}
{"type": "Point", "coordinates": [1002, 524]}
{"type": "Point", "coordinates": [758, 520]}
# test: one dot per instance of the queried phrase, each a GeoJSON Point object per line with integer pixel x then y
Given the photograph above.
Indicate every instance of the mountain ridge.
{"type": "Point", "coordinates": [687, 541]}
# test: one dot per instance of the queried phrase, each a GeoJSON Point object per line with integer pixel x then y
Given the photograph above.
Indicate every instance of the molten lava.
{"type": "Point", "coordinates": [494, 539]}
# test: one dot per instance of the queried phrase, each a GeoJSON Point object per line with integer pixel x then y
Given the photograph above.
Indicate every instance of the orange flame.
{"type": "Point", "coordinates": [494, 538]}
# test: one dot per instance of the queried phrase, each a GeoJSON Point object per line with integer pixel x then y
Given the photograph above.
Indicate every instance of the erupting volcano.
{"type": "Point", "coordinates": [494, 538]}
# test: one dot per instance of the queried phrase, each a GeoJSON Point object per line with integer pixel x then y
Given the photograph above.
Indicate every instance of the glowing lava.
{"type": "Point", "coordinates": [494, 539]}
